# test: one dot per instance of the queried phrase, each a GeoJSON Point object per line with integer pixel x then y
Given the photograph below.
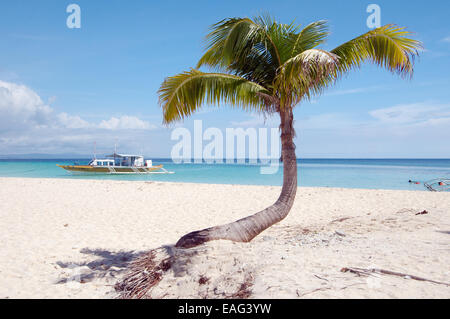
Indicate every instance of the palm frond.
{"type": "Point", "coordinates": [305, 74]}
{"type": "Point", "coordinates": [310, 37]}
{"type": "Point", "coordinates": [185, 93]}
{"type": "Point", "coordinates": [245, 47]}
{"type": "Point", "coordinates": [276, 34]}
{"type": "Point", "coordinates": [388, 46]}
{"type": "Point", "coordinates": [227, 41]}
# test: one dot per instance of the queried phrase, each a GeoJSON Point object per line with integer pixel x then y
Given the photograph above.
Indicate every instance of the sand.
{"type": "Point", "coordinates": [68, 238]}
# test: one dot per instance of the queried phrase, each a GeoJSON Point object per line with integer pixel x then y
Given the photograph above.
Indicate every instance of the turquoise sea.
{"type": "Point", "coordinates": [347, 173]}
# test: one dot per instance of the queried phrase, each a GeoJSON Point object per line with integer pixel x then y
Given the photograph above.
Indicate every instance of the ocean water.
{"type": "Point", "coordinates": [346, 173]}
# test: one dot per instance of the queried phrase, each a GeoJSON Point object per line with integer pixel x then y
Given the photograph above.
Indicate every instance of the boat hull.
{"type": "Point", "coordinates": [111, 169]}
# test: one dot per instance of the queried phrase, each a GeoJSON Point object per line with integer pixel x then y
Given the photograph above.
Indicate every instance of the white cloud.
{"type": "Point", "coordinates": [407, 130]}
{"type": "Point", "coordinates": [397, 118]}
{"type": "Point", "coordinates": [29, 125]}
{"type": "Point", "coordinates": [21, 106]}
{"type": "Point", "coordinates": [415, 113]}
{"type": "Point", "coordinates": [447, 39]}
{"type": "Point", "coordinates": [74, 122]}
{"type": "Point", "coordinates": [126, 122]}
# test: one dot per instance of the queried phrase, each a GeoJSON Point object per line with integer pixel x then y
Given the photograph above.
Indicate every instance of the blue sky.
{"type": "Point", "coordinates": [62, 89]}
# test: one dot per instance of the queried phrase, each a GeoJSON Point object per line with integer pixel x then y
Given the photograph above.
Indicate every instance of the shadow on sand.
{"type": "Point", "coordinates": [134, 274]}
{"type": "Point", "coordinates": [108, 263]}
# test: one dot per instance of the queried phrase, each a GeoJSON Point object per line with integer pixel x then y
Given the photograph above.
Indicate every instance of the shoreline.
{"type": "Point", "coordinates": [67, 238]}
{"type": "Point", "coordinates": [211, 184]}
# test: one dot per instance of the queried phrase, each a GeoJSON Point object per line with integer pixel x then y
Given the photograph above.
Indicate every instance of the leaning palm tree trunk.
{"type": "Point", "coordinates": [244, 230]}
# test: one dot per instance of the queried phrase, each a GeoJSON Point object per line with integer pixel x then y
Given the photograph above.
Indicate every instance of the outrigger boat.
{"type": "Point", "coordinates": [118, 164]}
{"type": "Point", "coordinates": [438, 185]}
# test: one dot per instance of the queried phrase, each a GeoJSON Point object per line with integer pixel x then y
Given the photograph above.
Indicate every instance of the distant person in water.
{"type": "Point", "coordinates": [413, 182]}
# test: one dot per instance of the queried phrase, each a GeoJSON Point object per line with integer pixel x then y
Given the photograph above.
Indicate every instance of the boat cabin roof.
{"type": "Point", "coordinates": [123, 155]}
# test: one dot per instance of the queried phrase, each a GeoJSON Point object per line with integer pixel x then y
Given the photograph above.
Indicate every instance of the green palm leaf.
{"type": "Point", "coordinates": [185, 93]}
{"type": "Point", "coordinates": [309, 72]}
{"type": "Point", "coordinates": [246, 48]}
{"type": "Point", "coordinates": [388, 46]}
{"type": "Point", "coordinates": [310, 37]}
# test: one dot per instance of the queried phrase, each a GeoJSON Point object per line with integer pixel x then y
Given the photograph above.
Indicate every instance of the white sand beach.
{"type": "Point", "coordinates": [63, 238]}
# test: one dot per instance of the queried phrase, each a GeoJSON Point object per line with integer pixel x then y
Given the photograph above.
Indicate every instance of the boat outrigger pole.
{"type": "Point", "coordinates": [438, 185]}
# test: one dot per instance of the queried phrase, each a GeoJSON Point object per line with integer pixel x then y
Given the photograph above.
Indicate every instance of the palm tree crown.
{"type": "Point", "coordinates": [264, 66]}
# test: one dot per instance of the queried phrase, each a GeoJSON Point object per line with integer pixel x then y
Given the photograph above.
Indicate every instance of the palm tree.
{"type": "Point", "coordinates": [264, 66]}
